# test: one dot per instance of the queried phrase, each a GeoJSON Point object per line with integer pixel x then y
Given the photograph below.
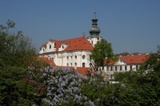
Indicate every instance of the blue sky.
{"type": "Point", "coordinates": [130, 25]}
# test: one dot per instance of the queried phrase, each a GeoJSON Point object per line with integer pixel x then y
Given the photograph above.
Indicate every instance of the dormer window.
{"type": "Point", "coordinates": [50, 46]}
{"type": "Point", "coordinates": [62, 46]}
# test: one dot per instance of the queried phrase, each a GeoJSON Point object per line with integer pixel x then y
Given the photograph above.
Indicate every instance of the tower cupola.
{"type": "Point", "coordinates": [94, 30]}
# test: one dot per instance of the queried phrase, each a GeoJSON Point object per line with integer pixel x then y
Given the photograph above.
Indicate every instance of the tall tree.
{"type": "Point", "coordinates": [16, 54]}
{"type": "Point", "coordinates": [101, 50]}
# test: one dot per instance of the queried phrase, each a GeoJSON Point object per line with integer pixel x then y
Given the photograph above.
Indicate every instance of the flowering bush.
{"type": "Point", "coordinates": [63, 87]}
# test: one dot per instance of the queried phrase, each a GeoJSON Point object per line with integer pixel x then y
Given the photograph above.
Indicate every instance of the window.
{"type": "Point", "coordinates": [67, 57]}
{"type": "Point", "coordinates": [120, 68]}
{"type": "Point", "coordinates": [75, 57]}
{"type": "Point", "coordinates": [83, 64]}
{"type": "Point", "coordinates": [83, 57]}
{"type": "Point", "coordinates": [50, 46]}
{"type": "Point", "coordinates": [71, 64]}
{"type": "Point", "coordinates": [75, 64]}
{"type": "Point", "coordinates": [136, 67]}
{"type": "Point", "coordinates": [92, 43]}
{"type": "Point", "coordinates": [71, 57]}
{"type": "Point", "coordinates": [62, 46]}
{"type": "Point", "coordinates": [111, 68]}
{"type": "Point", "coordinates": [67, 64]}
{"type": "Point", "coordinates": [130, 67]}
{"type": "Point", "coordinates": [115, 68]}
{"type": "Point", "coordinates": [125, 67]}
{"type": "Point", "coordinates": [90, 64]}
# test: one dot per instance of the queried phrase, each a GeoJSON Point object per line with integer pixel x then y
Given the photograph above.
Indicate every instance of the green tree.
{"type": "Point", "coordinates": [152, 63]}
{"type": "Point", "coordinates": [16, 54]}
{"type": "Point", "coordinates": [141, 87]}
{"type": "Point", "coordinates": [101, 50]}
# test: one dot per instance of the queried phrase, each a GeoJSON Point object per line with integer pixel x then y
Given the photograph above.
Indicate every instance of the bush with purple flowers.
{"type": "Point", "coordinates": [63, 87]}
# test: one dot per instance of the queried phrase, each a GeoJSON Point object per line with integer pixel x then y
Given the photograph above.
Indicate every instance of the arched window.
{"type": "Point", "coordinates": [50, 46]}
{"type": "Point", "coordinates": [83, 64]}
{"type": "Point", "coordinates": [75, 64]}
{"type": "Point", "coordinates": [90, 64]}
{"type": "Point", "coordinates": [83, 57]}
{"type": "Point", "coordinates": [75, 57]}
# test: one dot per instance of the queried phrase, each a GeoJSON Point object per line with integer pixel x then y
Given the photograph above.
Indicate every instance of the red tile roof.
{"type": "Point", "coordinates": [135, 59]}
{"type": "Point", "coordinates": [48, 60]}
{"type": "Point", "coordinates": [83, 70]}
{"type": "Point", "coordinates": [79, 43]}
{"type": "Point", "coordinates": [131, 59]}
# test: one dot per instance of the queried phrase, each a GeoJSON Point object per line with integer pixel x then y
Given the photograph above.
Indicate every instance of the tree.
{"type": "Point", "coordinates": [16, 54]}
{"type": "Point", "coordinates": [141, 87]}
{"type": "Point", "coordinates": [152, 63]}
{"type": "Point", "coordinates": [101, 50]}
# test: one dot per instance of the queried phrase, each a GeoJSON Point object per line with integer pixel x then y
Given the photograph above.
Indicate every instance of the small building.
{"type": "Point", "coordinates": [126, 63]}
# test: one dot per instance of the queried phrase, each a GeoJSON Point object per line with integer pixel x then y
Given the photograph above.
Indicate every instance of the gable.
{"type": "Point", "coordinates": [80, 43]}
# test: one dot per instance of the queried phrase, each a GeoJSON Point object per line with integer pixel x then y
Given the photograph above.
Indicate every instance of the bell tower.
{"type": "Point", "coordinates": [94, 31]}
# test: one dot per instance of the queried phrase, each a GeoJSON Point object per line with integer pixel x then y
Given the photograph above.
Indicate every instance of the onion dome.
{"type": "Point", "coordinates": [94, 30]}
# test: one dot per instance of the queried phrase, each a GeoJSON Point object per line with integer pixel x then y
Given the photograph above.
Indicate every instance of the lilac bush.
{"type": "Point", "coordinates": [64, 87]}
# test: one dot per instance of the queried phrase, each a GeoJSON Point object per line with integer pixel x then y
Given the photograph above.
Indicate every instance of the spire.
{"type": "Point", "coordinates": [94, 30]}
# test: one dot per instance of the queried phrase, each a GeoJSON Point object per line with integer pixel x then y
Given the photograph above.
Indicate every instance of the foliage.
{"type": "Point", "coordinates": [101, 50]}
{"type": "Point", "coordinates": [63, 87]}
{"type": "Point", "coordinates": [15, 49]}
{"type": "Point", "coordinates": [153, 63]}
{"type": "Point", "coordinates": [16, 54]}
{"type": "Point", "coordinates": [139, 88]}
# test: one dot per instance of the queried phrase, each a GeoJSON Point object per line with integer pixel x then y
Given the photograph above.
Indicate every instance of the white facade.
{"type": "Point", "coordinates": [94, 40]}
{"type": "Point", "coordinates": [126, 63]}
{"type": "Point", "coordinates": [63, 54]}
